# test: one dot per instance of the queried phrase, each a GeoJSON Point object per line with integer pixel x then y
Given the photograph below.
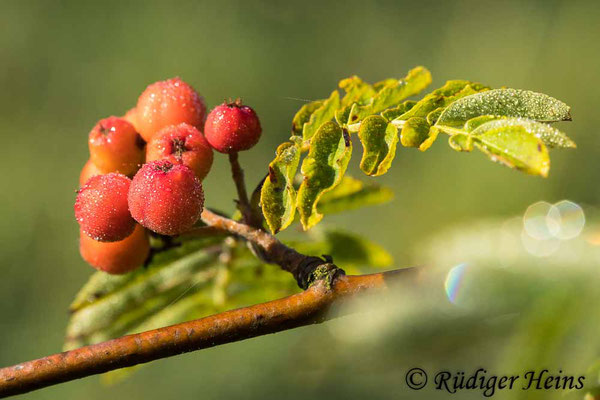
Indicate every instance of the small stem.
{"type": "Point", "coordinates": [450, 131]}
{"type": "Point", "coordinates": [238, 177]}
{"type": "Point", "coordinates": [301, 266]}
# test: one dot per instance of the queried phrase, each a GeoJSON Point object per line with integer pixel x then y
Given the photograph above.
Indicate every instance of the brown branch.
{"type": "Point", "coordinates": [308, 307]}
{"type": "Point", "coordinates": [302, 267]}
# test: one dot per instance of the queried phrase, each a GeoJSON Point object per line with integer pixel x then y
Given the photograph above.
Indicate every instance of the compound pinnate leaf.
{"type": "Point", "coordinates": [99, 285]}
{"type": "Point", "coordinates": [323, 168]}
{"type": "Point", "coordinates": [352, 193]}
{"type": "Point", "coordinates": [278, 196]}
{"type": "Point", "coordinates": [393, 92]}
{"type": "Point", "coordinates": [508, 103]}
{"type": "Point", "coordinates": [323, 114]}
{"type": "Point", "coordinates": [513, 146]}
{"type": "Point", "coordinates": [379, 139]}
{"type": "Point", "coordinates": [414, 132]}
{"type": "Point", "coordinates": [177, 267]}
{"type": "Point", "coordinates": [303, 115]}
{"type": "Point", "coordinates": [551, 136]}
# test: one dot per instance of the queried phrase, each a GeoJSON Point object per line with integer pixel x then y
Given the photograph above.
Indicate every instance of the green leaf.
{"type": "Point", "coordinates": [183, 264]}
{"type": "Point", "coordinates": [303, 115]}
{"type": "Point", "coordinates": [414, 132]}
{"type": "Point", "coordinates": [98, 286]}
{"type": "Point", "coordinates": [381, 84]}
{"type": "Point", "coordinates": [278, 196]}
{"type": "Point", "coordinates": [352, 193]}
{"type": "Point", "coordinates": [442, 97]}
{"type": "Point", "coordinates": [461, 142]}
{"type": "Point", "coordinates": [323, 114]}
{"type": "Point", "coordinates": [392, 93]}
{"type": "Point", "coordinates": [323, 168]}
{"type": "Point", "coordinates": [476, 122]}
{"type": "Point", "coordinates": [513, 146]}
{"type": "Point", "coordinates": [551, 136]}
{"type": "Point", "coordinates": [393, 113]}
{"type": "Point", "coordinates": [357, 91]}
{"type": "Point", "coordinates": [343, 114]}
{"type": "Point", "coordinates": [433, 134]}
{"type": "Point", "coordinates": [505, 102]}
{"type": "Point", "coordinates": [379, 139]}
{"type": "Point", "coordinates": [433, 116]}
{"type": "Point", "coordinates": [352, 251]}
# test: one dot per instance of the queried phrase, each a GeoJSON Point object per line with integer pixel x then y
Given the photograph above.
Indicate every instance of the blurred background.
{"type": "Point", "coordinates": [503, 287]}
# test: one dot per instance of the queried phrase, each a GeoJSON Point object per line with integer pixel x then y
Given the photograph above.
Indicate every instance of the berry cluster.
{"type": "Point", "coordinates": [146, 169]}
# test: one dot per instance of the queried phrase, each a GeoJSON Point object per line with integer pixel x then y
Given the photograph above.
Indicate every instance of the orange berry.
{"type": "Point", "coordinates": [169, 102]}
{"type": "Point", "coordinates": [131, 117]}
{"type": "Point", "coordinates": [88, 171]}
{"type": "Point", "coordinates": [115, 146]}
{"type": "Point", "coordinates": [116, 257]}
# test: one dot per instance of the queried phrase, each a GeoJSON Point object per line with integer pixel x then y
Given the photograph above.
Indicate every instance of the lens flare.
{"type": "Point", "coordinates": [454, 281]}
{"type": "Point", "coordinates": [569, 219]}
{"type": "Point", "coordinates": [537, 247]}
{"type": "Point", "coordinates": [535, 221]}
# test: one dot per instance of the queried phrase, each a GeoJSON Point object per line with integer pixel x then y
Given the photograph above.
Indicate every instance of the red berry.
{"type": "Point", "coordinates": [115, 146]}
{"type": "Point", "coordinates": [182, 144]}
{"type": "Point", "coordinates": [166, 198]}
{"type": "Point", "coordinates": [232, 127]}
{"type": "Point", "coordinates": [169, 102]}
{"type": "Point", "coordinates": [116, 257]}
{"type": "Point", "coordinates": [101, 208]}
{"type": "Point", "coordinates": [89, 170]}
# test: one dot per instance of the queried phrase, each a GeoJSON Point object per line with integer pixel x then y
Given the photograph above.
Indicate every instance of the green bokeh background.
{"type": "Point", "coordinates": [66, 64]}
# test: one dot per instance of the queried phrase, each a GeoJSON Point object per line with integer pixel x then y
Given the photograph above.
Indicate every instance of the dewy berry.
{"type": "Point", "coordinates": [115, 146]}
{"type": "Point", "coordinates": [166, 198]}
{"type": "Point", "coordinates": [89, 170]}
{"type": "Point", "coordinates": [169, 102]}
{"type": "Point", "coordinates": [116, 257]}
{"type": "Point", "coordinates": [101, 208]}
{"type": "Point", "coordinates": [232, 127]}
{"type": "Point", "coordinates": [182, 144]}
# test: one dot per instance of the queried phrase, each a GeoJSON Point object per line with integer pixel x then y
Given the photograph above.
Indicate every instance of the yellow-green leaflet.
{"type": "Point", "coordinates": [508, 103]}
{"type": "Point", "coordinates": [322, 169]}
{"type": "Point", "coordinates": [379, 139]}
{"type": "Point", "coordinates": [392, 93]}
{"type": "Point", "coordinates": [303, 115]}
{"type": "Point", "coordinates": [278, 196]}
{"type": "Point", "coordinates": [324, 113]}
{"type": "Point", "coordinates": [514, 147]}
